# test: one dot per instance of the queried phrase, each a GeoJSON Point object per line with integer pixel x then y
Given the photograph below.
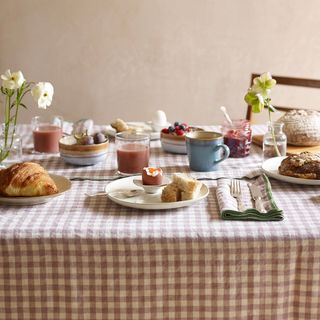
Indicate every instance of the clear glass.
{"type": "Point", "coordinates": [238, 137]}
{"type": "Point", "coordinates": [274, 137]}
{"type": "Point", "coordinates": [133, 152]}
{"type": "Point", "coordinates": [47, 131]}
{"type": "Point", "coordinates": [10, 146]}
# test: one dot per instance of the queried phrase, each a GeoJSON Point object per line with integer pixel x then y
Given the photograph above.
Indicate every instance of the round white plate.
{"type": "Point", "coordinates": [63, 184]}
{"type": "Point", "coordinates": [270, 168]}
{"type": "Point", "coordinates": [144, 200]}
{"type": "Point", "coordinates": [145, 127]}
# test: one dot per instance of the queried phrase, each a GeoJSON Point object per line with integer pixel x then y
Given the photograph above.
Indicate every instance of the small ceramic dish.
{"type": "Point", "coordinates": [175, 144]}
{"type": "Point", "coordinates": [82, 155]}
{"type": "Point", "coordinates": [148, 188]}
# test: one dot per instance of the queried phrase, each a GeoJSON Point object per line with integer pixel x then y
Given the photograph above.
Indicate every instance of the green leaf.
{"type": "Point", "coordinates": [23, 105]}
{"type": "Point", "coordinates": [257, 107]}
{"type": "Point", "coordinates": [255, 100]}
{"type": "Point", "coordinates": [250, 98]}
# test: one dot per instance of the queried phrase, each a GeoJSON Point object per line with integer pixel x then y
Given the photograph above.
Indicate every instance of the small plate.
{"type": "Point", "coordinates": [146, 201]}
{"type": "Point", "coordinates": [143, 126]}
{"type": "Point", "coordinates": [270, 168]}
{"type": "Point", "coordinates": [62, 183]}
{"type": "Point", "coordinates": [150, 188]}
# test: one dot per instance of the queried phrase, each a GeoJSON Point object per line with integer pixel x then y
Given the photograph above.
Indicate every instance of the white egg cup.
{"type": "Point", "coordinates": [150, 188]}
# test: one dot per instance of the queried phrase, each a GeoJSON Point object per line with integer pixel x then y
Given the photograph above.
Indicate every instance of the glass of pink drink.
{"type": "Point", "coordinates": [47, 132]}
{"type": "Point", "coordinates": [132, 152]}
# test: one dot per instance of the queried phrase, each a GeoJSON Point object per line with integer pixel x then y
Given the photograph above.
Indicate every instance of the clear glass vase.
{"type": "Point", "coordinates": [274, 141]}
{"type": "Point", "coordinates": [10, 146]}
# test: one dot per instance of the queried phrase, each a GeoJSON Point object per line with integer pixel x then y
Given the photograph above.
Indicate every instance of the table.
{"type": "Point", "coordinates": [89, 258]}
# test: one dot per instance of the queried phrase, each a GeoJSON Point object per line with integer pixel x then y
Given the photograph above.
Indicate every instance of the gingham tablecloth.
{"type": "Point", "coordinates": [89, 258]}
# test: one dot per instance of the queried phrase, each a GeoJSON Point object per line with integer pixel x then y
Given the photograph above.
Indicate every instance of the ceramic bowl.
{"type": "Point", "coordinates": [175, 144]}
{"type": "Point", "coordinates": [82, 155]}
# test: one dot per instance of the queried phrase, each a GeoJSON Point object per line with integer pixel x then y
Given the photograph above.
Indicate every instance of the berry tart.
{"type": "Point", "coordinates": [173, 137]}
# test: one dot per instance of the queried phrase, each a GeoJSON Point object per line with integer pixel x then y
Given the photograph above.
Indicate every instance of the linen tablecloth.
{"type": "Point", "coordinates": [88, 258]}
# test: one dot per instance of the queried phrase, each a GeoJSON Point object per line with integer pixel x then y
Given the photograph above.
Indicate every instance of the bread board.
{"type": "Point", "coordinates": [258, 139]}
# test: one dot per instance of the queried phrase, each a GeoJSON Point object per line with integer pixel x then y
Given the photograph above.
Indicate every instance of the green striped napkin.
{"type": "Point", "coordinates": [229, 207]}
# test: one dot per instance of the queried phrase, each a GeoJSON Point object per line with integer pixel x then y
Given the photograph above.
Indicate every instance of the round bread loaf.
{"type": "Point", "coordinates": [302, 127]}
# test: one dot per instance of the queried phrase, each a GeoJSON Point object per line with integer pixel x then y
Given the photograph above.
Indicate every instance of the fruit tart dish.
{"type": "Point", "coordinates": [173, 138]}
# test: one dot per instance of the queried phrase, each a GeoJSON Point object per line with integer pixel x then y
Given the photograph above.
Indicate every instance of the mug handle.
{"type": "Point", "coordinates": [225, 154]}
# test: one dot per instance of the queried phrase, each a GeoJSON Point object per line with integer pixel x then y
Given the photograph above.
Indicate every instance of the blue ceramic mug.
{"type": "Point", "coordinates": [204, 150]}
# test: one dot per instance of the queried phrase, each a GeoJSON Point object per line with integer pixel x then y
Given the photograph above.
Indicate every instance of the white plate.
{"type": "Point", "coordinates": [270, 168]}
{"type": "Point", "coordinates": [146, 201]}
{"type": "Point", "coordinates": [63, 185]}
{"type": "Point", "coordinates": [143, 126]}
{"type": "Point", "coordinates": [149, 188]}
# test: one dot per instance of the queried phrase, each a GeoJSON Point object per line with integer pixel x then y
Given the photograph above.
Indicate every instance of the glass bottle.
{"type": "Point", "coordinates": [10, 146]}
{"type": "Point", "coordinates": [274, 141]}
{"type": "Point", "coordinates": [237, 136]}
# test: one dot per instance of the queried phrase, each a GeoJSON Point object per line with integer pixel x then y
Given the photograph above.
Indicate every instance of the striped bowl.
{"type": "Point", "coordinates": [82, 155]}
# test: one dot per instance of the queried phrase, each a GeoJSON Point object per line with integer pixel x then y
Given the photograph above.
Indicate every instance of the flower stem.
{"type": "Point", "coordinates": [273, 135]}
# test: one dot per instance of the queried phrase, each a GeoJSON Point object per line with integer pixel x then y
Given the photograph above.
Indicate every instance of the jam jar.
{"type": "Point", "coordinates": [237, 136]}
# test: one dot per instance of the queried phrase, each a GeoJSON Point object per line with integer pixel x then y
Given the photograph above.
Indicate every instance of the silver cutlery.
{"type": "Point", "coordinates": [235, 191]}
{"type": "Point", "coordinates": [127, 193]}
{"type": "Point", "coordinates": [256, 195]}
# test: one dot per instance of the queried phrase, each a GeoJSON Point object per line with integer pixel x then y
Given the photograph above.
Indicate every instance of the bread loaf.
{"type": "Point", "coordinates": [302, 127]}
{"type": "Point", "coordinates": [26, 179]}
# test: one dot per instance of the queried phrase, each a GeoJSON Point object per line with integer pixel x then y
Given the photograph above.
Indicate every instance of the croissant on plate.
{"type": "Point", "coordinates": [26, 179]}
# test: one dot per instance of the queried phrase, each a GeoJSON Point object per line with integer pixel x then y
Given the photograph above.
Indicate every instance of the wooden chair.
{"type": "Point", "coordinates": [285, 81]}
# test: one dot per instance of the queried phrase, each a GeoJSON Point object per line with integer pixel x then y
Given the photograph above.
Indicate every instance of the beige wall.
{"type": "Point", "coordinates": [128, 58]}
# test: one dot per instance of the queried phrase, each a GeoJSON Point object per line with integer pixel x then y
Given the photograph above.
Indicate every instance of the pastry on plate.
{"type": "Point", "coordinates": [181, 188]}
{"type": "Point", "coordinates": [26, 179]}
{"type": "Point", "coordinates": [119, 125]}
{"type": "Point", "coordinates": [305, 165]}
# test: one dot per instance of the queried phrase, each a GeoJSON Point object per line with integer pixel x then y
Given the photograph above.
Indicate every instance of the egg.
{"type": "Point", "coordinates": [159, 118]}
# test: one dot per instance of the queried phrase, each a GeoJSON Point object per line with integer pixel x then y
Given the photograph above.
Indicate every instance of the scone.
{"type": "Point", "coordinates": [305, 165]}
{"type": "Point", "coordinates": [171, 193]}
{"type": "Point", "coordinates": [181, 188]}
{"type": "Point", "coordinates": [26, 179]}
{"type": "Point", "coordinates": [186, 184]}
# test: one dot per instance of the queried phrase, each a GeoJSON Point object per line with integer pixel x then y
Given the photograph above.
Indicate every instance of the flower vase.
{"type": "Point", "coordinates": [274, 141]}
{"type": "Point", "coordinates": [10, 146]}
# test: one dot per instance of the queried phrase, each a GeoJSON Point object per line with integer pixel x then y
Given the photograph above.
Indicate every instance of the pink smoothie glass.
{"type": "Point", "coordinates": [47, 131]}
{"type": "Point", "coordinates": [133, 152]}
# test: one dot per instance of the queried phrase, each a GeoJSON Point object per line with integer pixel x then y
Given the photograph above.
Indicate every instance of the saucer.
{"type": "Point", "coordinates": [149, 188]}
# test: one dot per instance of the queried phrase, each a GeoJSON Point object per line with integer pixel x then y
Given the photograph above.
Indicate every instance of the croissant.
{"type": "Point", "coordinates": [26, 179]}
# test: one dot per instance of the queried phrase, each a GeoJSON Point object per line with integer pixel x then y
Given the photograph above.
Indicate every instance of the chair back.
{"type": "Point", "coordinates": [285, 82]}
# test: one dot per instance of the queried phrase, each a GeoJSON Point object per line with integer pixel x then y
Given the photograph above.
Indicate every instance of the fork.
{"type": "Point", "coordinates": [235, 191]}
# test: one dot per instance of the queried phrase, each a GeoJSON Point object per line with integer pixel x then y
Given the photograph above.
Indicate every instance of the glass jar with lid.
{"type": "Point", "coordinates": [237, 136]}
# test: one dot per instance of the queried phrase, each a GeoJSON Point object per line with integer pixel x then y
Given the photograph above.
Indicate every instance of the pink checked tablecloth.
{"type": "Point", "coordinates": [89, 258]}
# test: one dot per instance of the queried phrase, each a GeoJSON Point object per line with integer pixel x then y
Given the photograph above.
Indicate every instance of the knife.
{"type": "Point", "coordinates": [257, 197]}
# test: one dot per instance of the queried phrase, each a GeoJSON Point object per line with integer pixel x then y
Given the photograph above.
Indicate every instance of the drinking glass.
{"type": "Point", "coordinates": [133, 152]}
{"type": "Point", "coordinates": [47, 131]}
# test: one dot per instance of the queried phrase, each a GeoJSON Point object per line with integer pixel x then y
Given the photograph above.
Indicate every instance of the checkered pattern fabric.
{"type": "Point", "coordinates": [89, 258]}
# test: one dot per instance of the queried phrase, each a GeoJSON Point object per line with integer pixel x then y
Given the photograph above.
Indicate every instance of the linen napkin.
{"type": "Point", "coordinates": [229, 207]}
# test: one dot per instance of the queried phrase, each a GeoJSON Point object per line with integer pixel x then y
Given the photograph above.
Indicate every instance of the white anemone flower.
{"type": "Point", "coordinates": [13, 80]}
{"type": "Point", "coordinates": [42, 93]}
